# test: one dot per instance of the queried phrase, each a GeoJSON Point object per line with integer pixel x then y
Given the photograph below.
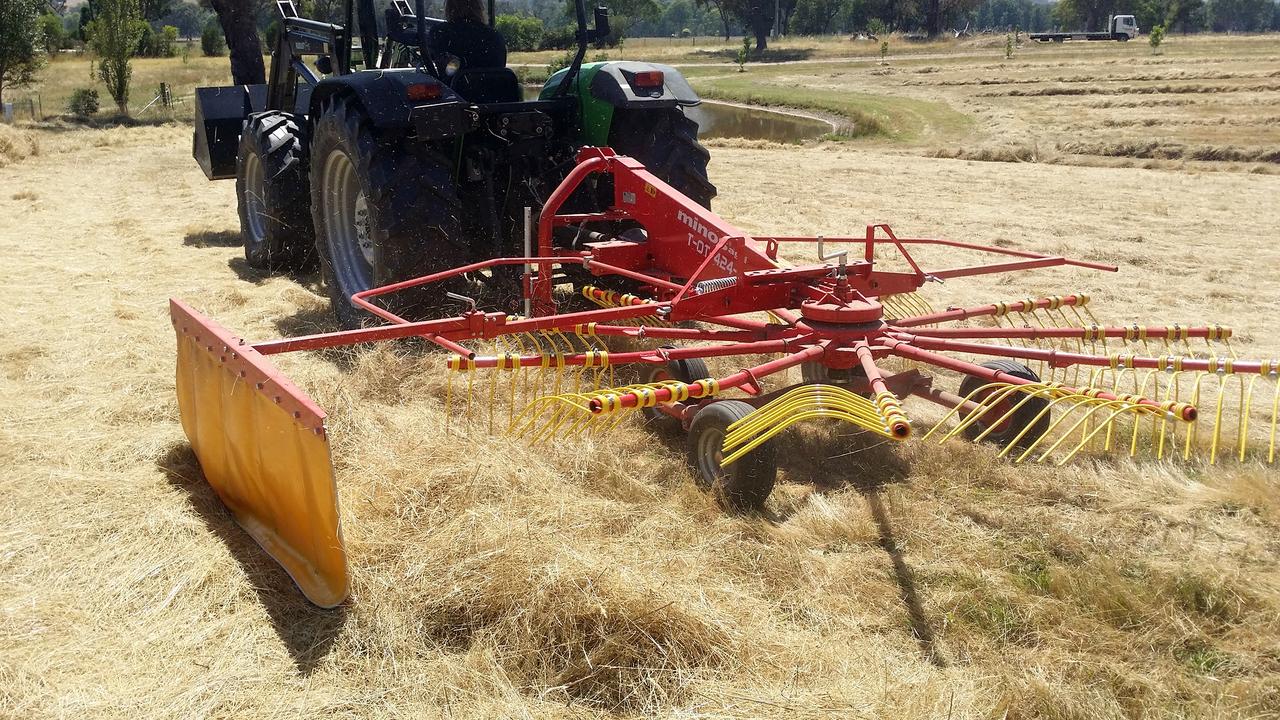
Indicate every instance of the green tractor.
{"type": "Point", "coordinates": [389, 158]}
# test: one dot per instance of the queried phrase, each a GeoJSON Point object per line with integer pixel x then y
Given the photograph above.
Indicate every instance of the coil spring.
{"type": "Point", "coordinates": [714, 284]}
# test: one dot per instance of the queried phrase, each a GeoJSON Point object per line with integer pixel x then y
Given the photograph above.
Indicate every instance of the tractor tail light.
{"type": "Point", "coordinates": [648, 79]}
{"type": "Point", "coordinates": [423, 91]}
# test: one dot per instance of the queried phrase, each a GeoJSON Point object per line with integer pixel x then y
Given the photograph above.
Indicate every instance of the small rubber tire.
{"type": "Point", "coordinates": [273, 193]}
{"type": "Point", "coordinates": [816, 372]}
{"type": "Point", "coordinates": [667, 143]}
{"type": "Point", "coordinates": [686, 371]}
{"type": "Point", "coordinates": [746, 483]}
{"type": "Point", "coordinates": [1025, 415]}
{"type": "Point", "coordinates": [404, 219]}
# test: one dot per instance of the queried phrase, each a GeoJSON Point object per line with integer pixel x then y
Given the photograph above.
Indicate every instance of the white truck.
{"type": "Point", "coordinates": [1119, 27]}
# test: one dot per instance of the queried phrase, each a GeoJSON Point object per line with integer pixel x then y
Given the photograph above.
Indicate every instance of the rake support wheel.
{"type": "Point", "coordinates": [1028, 414]}
{"type": "Point", "coordinates": [744, 484]}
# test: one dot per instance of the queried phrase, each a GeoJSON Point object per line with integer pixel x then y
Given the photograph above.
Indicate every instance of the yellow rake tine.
{"type": "Point", "coordinates": [809, 402]}
{"type": "Point", "coordinates": [1246, 404]}
{"type": "Point", "coordinates": [1123, 408]}
{"type": "Point", "coordinates": [956, 411]}
{"type": "Point", "coordinates": [1064, 397]}
{"type": "Point", "coordinates": [1275, 421]}
{"type": "Point", "coordinates": [1217, 421]}
{"type": "Point", "coordinates": [1026, 397]}
{"type": "Point", "coordinates": [995, 398]}
{"type": "Point", "coordinates": [1082, 401]}
{"type": "Point", "coordinates": [1192, 432]}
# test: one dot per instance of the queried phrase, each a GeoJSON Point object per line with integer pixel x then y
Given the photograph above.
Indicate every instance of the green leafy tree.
{"type": "Point", "coordinates": [212, 44]}
{"type": "Point", "coordinates": [53, 36]}
{"type": "Point", "coordinates": [814, 17]}
{"type": "Point", "coordinates": [20, 42]}
{"type": "Point", "coordinates": [1088, 15]}
{"type": "Point", "coordinates": [114, 35]}
{"type": "Point", "coordinates": [1156, 37]}
{"type": "Point", "coordinates": [757, 15]}
{"type": "Point", "coordinates": [721, 10]}
{"type": "Point", "coordinates": [522, 33]}
{"type": "Point", "coordinates": [189, 19]}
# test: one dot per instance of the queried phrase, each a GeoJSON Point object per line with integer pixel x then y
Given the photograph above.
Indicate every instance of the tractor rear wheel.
{"type": "Point", "coordinates": [272, 193]}
{"type": "Point", "coordinates": [384, 211]}
{"type": "Point", "coordinates": [1028, 415]}
{"type": "Point", "coordinates": [667, 143]}
{"type": "Point", "coordinates": [746, 483]}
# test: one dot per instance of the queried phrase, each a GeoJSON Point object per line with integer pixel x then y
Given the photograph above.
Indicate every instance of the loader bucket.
{"type": "Point", "coordinates": [262, 446]}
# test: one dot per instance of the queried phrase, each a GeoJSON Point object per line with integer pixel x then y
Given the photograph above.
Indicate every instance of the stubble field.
{"type": "Point", "coordinates": [588, 578]}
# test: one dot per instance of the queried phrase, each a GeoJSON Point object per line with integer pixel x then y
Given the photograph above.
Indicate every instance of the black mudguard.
{"type": "Point", "coordinates": [613, 84]}
{"type": "Point", "coordinates": [382, 95]}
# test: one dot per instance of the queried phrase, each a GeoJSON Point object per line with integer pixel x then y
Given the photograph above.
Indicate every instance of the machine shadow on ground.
{"type": "Point", "coordinates": [212, 238]}
{"type": "Point", "coordinates": [831, 459]}
{"type": "Point", "coordinates": [307, 631]}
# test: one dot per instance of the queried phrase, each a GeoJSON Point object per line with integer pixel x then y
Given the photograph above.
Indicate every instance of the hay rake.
{"type": "Point", "coordinates": [1040, 377]}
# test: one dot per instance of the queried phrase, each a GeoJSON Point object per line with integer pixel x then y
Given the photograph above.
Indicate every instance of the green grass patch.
{"type": "Point", "coordinates": [868, 116]}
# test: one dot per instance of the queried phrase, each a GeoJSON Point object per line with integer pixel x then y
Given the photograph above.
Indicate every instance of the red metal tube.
{"type": "Point", "coordinates": [738, 379]}
{"type": "Point", "coordinates": [652, 357]}
{"type": "Point", "coordinates": [1154, 332]}
{"type": "Point", "coordinates": [984, 310]}
{"type": "Point", "coordinates": [907, 349]}
{"type": "Point", "coordinates": [950, 243]}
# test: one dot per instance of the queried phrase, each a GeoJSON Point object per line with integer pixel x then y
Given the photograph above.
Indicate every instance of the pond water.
{"type": "Point", "coordinates": [718, 120]}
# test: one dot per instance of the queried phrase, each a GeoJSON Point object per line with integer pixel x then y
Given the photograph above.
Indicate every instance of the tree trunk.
{"type": "Point", "coordinates": [724, 20]}
{"type": "Point", "coordinates": [933, 17]}
{"type": "Point", "coordinates": [239, 27]}
{"type": "Point", "coordinates": [760, 27]}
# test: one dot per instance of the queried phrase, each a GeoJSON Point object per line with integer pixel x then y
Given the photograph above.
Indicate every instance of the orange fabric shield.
{"type": "Point", "coordinates": [262, 446]}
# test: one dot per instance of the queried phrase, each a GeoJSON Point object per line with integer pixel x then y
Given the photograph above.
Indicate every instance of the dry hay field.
{"type": "Point", "coordinates": [588, 578]}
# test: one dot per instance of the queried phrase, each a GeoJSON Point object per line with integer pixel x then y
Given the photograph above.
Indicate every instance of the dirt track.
{"type": "Point", "coordinates": [129, 592]}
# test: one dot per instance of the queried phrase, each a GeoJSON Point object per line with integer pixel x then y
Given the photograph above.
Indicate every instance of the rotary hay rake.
{"type": "Point", "coordinates": [1040, 376]}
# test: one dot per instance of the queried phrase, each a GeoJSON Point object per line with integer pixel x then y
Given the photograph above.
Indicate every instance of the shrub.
{"type": "Point", "coordinates": [1156, 37]}
{"type": "Point", "coordinates": [212, 43]}
{"type": "Point", "coordinates": [83, 102]}
{"type": "Point", "coordinates": [522, 33]}
{"type": "Point", "coordinates": [561, 38]}
{"type": "Point", "coordinates": [560, 63]}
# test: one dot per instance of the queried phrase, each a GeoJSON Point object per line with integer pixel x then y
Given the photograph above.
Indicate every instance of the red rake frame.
{"type": "Point", "coordinates": [697, 267]}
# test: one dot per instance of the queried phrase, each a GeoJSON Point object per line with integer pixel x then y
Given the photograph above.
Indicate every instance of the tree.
{"type": "Point", "coordinates": [1089, 15]}
{"type": "Point", "coordinates": [521, 33]}
{"type": "Point", "coordinates": [212, 43]}
{"type": "Point", "coordinates": [940, 12]}
{"type": "Point", "coordinates": [239, 26]}
{"type": "Point", "coordinates": [757, 15]}
{"type": "Point", "coordinates": [814, 17]}
{"type": "Point", "coordinates": [114, 34]}
{"type": "Point", "coordinates": [20, 42]}
{"type": "Point", "coordinates": [51, 33]}
{"type": "Point", "coordinates": [720, 10]}
{"type": "Point", "coordinates": [189, 19]}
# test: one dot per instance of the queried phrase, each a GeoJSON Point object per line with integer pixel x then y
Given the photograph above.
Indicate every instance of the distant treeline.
{"type": "Point", "coordinates": [534, 24]}
{"type": "Point", "coordinates": [682, 18]}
